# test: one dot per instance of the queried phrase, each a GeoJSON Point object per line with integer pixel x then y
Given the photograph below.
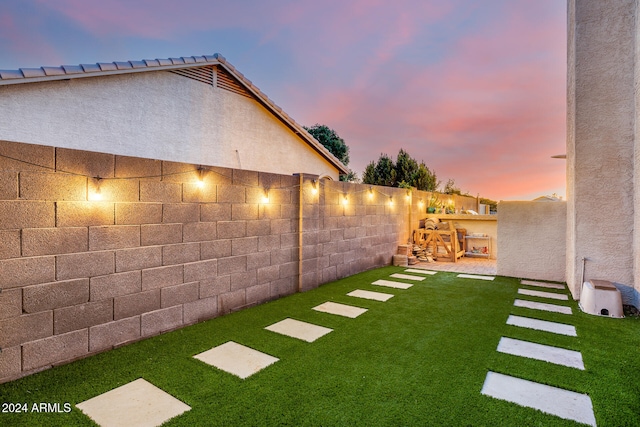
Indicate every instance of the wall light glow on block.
{"type": "Point", "coordinates": [345, 200]}
{"type": "Point", "coordinates": [265, 197]}
{"type": "Point", "coordinates": [370, 192]}
{"type": "Point", "coordinates": [200, 181]}
{"type": "Point", "coordinates": [390, 201]}
{"type": "Point", "coordinates": [95, 195]}
{"type": "Point", "coordinates": [314, 187]}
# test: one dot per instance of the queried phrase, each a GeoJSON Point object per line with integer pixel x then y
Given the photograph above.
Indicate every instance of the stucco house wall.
{"type": "Point", "coordinates": [157, 115]}
{"type": "Point", "coordinates": [531, 240]}
{"type": "Point", "coordinates": [602, 159]}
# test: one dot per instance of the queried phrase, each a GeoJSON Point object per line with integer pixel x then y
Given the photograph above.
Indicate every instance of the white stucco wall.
{"type": "Point", "coordinates": [600, 142]}
{"type": "Point", "coordinates": [531, 238]}
{"type": "Point", "coordinates": [157, 115]}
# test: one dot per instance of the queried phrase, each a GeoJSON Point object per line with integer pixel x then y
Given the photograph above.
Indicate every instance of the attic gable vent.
{"type": "Point", "coordinates": [201, 74]}
{"type": "Point", "coordinates": [227, 82]}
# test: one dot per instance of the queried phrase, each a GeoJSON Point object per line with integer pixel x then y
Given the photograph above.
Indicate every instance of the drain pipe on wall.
{"type": "Point", "coordinates": [584, 262]}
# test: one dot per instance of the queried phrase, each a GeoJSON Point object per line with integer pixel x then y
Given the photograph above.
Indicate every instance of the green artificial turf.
{"type": "Point", "coordinates": [419, 359]}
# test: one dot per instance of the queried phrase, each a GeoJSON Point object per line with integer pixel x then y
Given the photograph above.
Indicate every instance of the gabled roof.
{"type": "Point", "coordinates": [66, 72]}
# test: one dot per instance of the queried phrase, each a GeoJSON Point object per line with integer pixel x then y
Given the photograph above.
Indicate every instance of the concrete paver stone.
{"type": "Point", "coordinates": [340, 309]}
{"type": "Point", "coordinates": [546, 353]}
{"type": "Point", "coordinates": [407, 277]}
{"type": "Point", "coordinates": [415, 270]}
{"type": "Point", "coordinates": [236, 359]}
{"type": "Point", "coordinates": [541, 294]}
{"type": "Point", "coordinates": [565, 404]}
{"type": "Point", "coordinates": [376, 296]}
{"type": "Point", "coordinates": [392, 284]}
{"type": "Point", "coordinates": [136, 404]}
{"type": "Point", "coordinates": [474, 276]}
{"type": "Point", "coordinates": [542, 284]}
{"type": "Point", "coordinates": [543, 306]}
{"type": "Point", "coordinates": [542, 325]}
{"type": "Point", "coordinates": [297, 329]}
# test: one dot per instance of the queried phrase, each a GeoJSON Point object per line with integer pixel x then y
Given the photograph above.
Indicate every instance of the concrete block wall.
{"type": "Point", "coordinates": [100, 250]}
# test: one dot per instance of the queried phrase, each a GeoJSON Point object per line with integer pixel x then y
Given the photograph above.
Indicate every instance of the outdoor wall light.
{"type": "Point", "coordinates": [390, 200]}
{"type": "Point", "coordinates": [370, 192]}
{"type": "Point", "coordinates": [95, 195]}
{"type": "Point", "coordinates": [345, 200]}
{"type": "Point", "coordinates": [408, 194]}
{"type": "Point", "coordinates": [420, 203]}
{"type": "Point", "coordinates": [314, 187]}
{"type": "Point", "coordinates": [200, 181]}
{"type": "Point", "coordinates": [265, 197]}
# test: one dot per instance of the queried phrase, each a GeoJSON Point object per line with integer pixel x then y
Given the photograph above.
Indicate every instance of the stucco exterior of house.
{"type": "Point", "coordinates": [198, 110]}
{"type": "Point", "coordinates": [603, 145]}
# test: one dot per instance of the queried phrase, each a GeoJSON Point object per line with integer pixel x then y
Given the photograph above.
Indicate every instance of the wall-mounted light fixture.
{"type": "Point", "coordinates": [345, 200]}
{"type": "Point", "coordinates": [408, 194]}
{"type": "Point", "coordinates": [200, 181]}
{"type": "Point", "coordinates": [314, 187]}
{"type": "Point", "coordinates": [390, 200]}
{"type": "Point", "coordinates": [420, 203]}
{"type": "Point", "coordinates": [95, 195]}
{"type": "Point", "coordinates": [370, 193]}
{"type": "Point", "coordinates": [265, 196]}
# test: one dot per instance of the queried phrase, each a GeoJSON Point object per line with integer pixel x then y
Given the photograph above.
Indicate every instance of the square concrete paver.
{"type": "Point", "coordinates": [376, 296]}
{"type": "Point", "coordinates": [136, 404]}
{"type": "Point", "coordinates": [542, 284]}
{"type": "Point", "coordinates": [340, 309]}
{"type": "Point", "coordinates": [546, 353]}
{"type": "Point", "coordinates": [542, 306]}
{"type": "Point", "coordinates": [407, 277]}
{"type": "Point", "coordinates": [392, 284]}
{"type": "Point", "coordinates": [415, 270]}
{"type": "Point", "coordinates": [565, 404]}
{"type": "Point", "coordinates": [302, 330]}
{"type": "Point", "coordinates": [474, 276]}
{"type": "Point", "coordinates": [542, 325]}
{"type": "Point", "coordinates": [541, 294]}
{"type": "Point", "coordinates": [236, 359]}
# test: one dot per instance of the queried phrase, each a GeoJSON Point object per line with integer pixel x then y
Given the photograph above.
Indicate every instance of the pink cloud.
{"type": "Point", "coordinates": [18, 39]}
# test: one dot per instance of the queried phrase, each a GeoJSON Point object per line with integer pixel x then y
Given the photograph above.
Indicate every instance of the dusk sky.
{"type": "Point", "coordinates": [476, 89]}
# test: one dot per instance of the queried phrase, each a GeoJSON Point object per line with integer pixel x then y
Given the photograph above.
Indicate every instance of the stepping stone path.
{"type": "Point", "coordinates": [297, 329]}
{"type": "Point", "coordinates": [559, 356]}
{"type": "Point", "coordinates": [543, 306]}
{"type": "Point", "coordinates": [236, 359]}
{"type": "Point", "coordinates": [415, 270]}
{"type": "Point", "coordinates": [340, 309]}
{"type": "Point", "coordinates": [141, 404]}
{"type": "Point", "coordinates": [407, 277]}
{"type": "Point", "coordinates": [376, 296]}
{"type": "Point", "coordinates": [475, 276]}
{"type": "Point", "coordinates": [550, 295]}
{"type": "Point", "coordinates": [552, 400]}
{"type": "Point", "coordinates": [565, 404]}
{"type": "Point", "coordinates": [136, 404]}
{"type": "Point", "coordinates": [542, 325]}
{"type": "Point", "coordinates": [392, 284]}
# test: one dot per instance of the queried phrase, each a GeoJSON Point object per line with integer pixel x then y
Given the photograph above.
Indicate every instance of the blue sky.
{"type": "Point", "coordinates": [476, 89]}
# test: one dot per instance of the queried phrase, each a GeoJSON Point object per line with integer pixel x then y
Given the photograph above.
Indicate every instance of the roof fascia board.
{"type": "Point", "coordinates": [288, 121]}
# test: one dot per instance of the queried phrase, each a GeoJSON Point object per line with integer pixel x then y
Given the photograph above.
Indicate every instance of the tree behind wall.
{"type": "Point", "coordinates": [404, 172]}
{"type": "Point", "coordinates": [330, 139]}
